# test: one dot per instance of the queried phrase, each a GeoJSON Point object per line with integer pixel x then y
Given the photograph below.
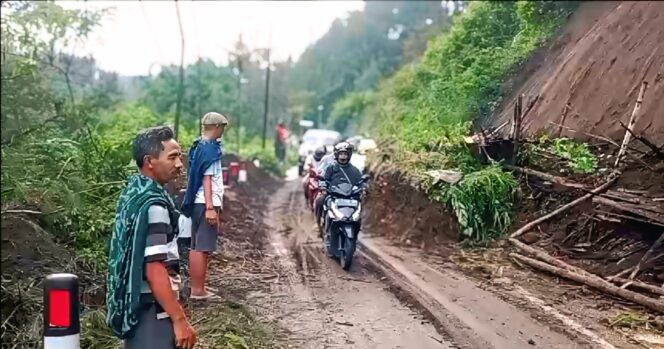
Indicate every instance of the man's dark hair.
{"type": "Point", "coordinates": [148, 142]}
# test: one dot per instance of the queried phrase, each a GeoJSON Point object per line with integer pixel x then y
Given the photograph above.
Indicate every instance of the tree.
{"type": "Point", "coordinates": [33, 32]}
{"type": "Point", "coordinates": [348, 111]}
{"type": "Point", "coordinates": [358, 51]}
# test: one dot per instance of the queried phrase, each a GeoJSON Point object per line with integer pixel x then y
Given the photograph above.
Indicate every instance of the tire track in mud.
{"type": "Point", "coordinates": [327, 307]}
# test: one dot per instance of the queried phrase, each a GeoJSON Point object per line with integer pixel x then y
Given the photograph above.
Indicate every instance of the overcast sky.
{"type": "Point", "coordinates": [137, 35]}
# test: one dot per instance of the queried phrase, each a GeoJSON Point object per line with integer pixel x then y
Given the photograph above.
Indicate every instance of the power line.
{"type": "Point", "coordinates": [178, 105]}
{"type": "Point", "coordinates": [198, 46]}
{"type": "Point", "coordinates": [198, 71]}
{"type": "Point", "coordinates": [154, 36]}
{"type": "Point", "coordinates": [267, 91]}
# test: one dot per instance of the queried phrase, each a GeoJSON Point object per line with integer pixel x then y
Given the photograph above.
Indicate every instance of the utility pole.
{"type": "Point", "coordinates": [178, 105]}
{"type": "Point", "coordinates": [239, 56]}
{"type": "Point", "coordinates": [239, 100]}
{"type": "Point", "coordinates": [199, 92]}
{"type": "Point", "coordinates": [267, 97]}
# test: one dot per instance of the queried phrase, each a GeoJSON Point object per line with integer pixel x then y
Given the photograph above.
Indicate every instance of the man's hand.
{"type": "Point", "coordinates": [211, 217]}
{"type": "Point", "coordinates": [323, 192]}
{"type": "Point", "coordinates": [185, 335]}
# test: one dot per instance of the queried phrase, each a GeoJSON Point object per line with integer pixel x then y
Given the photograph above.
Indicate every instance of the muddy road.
{"type": "Point", "coordinates": [324, 306]}
{"type": "Point", "coordinates": [392, 297]}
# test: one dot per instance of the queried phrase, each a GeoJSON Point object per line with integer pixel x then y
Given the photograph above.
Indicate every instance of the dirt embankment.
{"type": "Point", "coordinates": [29, 253]}
{"type": "Point", "coordinates": [407, 216]}
{"type": "Point", "coordinates": [596, 65]}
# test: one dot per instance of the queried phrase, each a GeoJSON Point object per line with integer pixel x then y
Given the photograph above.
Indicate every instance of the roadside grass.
{"type": "Point", "coordinates": [228, 325]}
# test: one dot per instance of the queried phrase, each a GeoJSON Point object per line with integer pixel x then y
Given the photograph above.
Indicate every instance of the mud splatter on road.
{"type": "Point", "coordinates": [324, 306]}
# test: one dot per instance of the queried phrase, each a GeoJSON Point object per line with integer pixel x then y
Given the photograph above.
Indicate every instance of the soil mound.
{"type": "Point", "coordinates": [404, 214]}
{"type": "Point", "coordinates": [596, 66]}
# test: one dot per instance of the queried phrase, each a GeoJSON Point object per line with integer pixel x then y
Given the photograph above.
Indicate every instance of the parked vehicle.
{"type": "Point", "coordinates": [363, 146]}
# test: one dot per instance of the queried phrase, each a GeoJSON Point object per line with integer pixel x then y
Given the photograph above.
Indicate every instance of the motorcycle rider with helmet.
{"type": "Point", "coordinates": [314, 159]}
{"type": "Point", "coordinates": [324, 163]}
{"type": "Point", "coordinates": [312, 162]}
{"type": "Point", "coordinates": [339, 171]}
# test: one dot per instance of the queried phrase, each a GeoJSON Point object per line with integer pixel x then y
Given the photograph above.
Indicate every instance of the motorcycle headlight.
{"type": "Point", "coordinates": [356, 214]}
{"type": "Point", "coordinates": [335, 210]}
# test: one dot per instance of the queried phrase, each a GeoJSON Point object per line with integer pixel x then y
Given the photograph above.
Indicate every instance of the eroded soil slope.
{"type": "Point", "coordinates": [596, 65]}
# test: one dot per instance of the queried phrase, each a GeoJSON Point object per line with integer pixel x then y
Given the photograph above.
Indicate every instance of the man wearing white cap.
{"type": "Point", "coordinates": [203, 200]}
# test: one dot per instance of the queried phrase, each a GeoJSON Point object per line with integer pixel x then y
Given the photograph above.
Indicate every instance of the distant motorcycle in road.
{"type": "Point", "coordinates": [342, 211]}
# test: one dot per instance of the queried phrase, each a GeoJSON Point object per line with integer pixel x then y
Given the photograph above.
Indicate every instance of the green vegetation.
{"type": "Point", "coordinates": [629, 320]}
{"type": "Point", "coordinates": [67, 131]}
{"type": "Point", "coordinates": [67, 126]}
{"type": "Point", "coordinates": [578, 156]}
{"type": "Point", "coordinates": [359, 51]}
{"type": "Point", "coordinates": [227, 326]}
{"type": "Point", "coordinates": [425, 107]}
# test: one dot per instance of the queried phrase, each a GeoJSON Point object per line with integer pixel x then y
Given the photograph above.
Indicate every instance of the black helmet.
{"type": "Point", "coordinates": [343, 147]}
{"type": "Point", "coordinates": [319, 153]}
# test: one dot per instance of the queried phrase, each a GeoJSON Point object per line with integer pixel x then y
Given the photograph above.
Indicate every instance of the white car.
{"type": "Point", "coordinates": [313, 139]}
{"type": "Point", "coordinates": [363, 146]}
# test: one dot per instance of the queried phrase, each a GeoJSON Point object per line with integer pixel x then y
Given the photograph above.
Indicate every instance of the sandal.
{"type": "Point", "coordinates": [208, 296]}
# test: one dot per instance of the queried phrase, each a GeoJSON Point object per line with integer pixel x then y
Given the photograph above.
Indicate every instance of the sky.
{"type": "Point", "coordinates": [138, 36]}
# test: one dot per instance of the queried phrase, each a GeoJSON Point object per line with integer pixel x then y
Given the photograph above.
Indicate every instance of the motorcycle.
{"type": "Point", "coordinates": [341, 211]}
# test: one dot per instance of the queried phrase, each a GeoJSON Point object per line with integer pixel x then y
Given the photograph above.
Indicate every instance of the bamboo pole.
{"type": "Point", "coordinates": [632, 121]}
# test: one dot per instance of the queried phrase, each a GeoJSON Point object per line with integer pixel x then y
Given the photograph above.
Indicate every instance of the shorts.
{"type": "Point", "coordinates": [203, 235]}
{"type": "Point", "coordinates": [152, 333]}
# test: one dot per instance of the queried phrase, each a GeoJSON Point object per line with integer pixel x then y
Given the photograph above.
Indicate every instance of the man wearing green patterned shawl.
{"type": "Point", "coordinates": [142, 297]}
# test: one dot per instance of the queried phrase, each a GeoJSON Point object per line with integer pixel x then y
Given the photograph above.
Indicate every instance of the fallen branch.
{"type": "Point", "coordinates": [630, 124]}
{"type": "Point", "coordinates": [653, 213]}
{"type": "Point", "coordinates": [566, 207]}
{"type": "Point", "coordinates": [635, 219]}
{"type": "Point", "coordinates": [621, 193]}
{"type": "Point", "coordinates": [654, 246]}
{"type": "Point", "coordinates": [32, 211]}
{"type": "Point", "coordinates": [593, 281]}
{"type": "Point", "coordinates": [639, 284]}
{"type": "Point", "coordinates": [646, 142]}
{"type": "Point", "coordinates": [545, 176]}
{"type": "Point", "coordinates": [542, 255]}
{"type": "Point", "coordinates": [605, 139]}
{"type": "Point", "coordinates": [621, 273]}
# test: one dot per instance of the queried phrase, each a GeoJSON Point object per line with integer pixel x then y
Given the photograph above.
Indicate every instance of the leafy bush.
{"type": "Point", "coordinates": [580, 158]}
{"type": "Point", "coordinates": [482, 202]}
{"type": "Point", "coordinates": [79, 178]}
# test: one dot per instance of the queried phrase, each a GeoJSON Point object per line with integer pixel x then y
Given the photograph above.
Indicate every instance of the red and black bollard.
{"type": "Point", "coordinates": [226, 177]}
{"type": "Point", "coordinates": [235, 171]}
{"type": "Point", "coordinates": [62, 326]}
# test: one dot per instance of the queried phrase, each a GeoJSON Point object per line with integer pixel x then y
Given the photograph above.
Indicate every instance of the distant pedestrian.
{"type": "Point", "coordinates": [142, 294]}
{"type": "Point", "coordinates": [203, 200]}
{"type": "Point", "coordinates": [281, 141]}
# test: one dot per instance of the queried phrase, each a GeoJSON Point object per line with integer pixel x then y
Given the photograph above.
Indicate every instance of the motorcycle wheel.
{"type": "Point", "coordinates": [346, 254]}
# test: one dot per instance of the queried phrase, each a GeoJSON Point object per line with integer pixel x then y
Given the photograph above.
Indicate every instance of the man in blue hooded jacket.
{"type": "Point", "coordinates": [203, 200]}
